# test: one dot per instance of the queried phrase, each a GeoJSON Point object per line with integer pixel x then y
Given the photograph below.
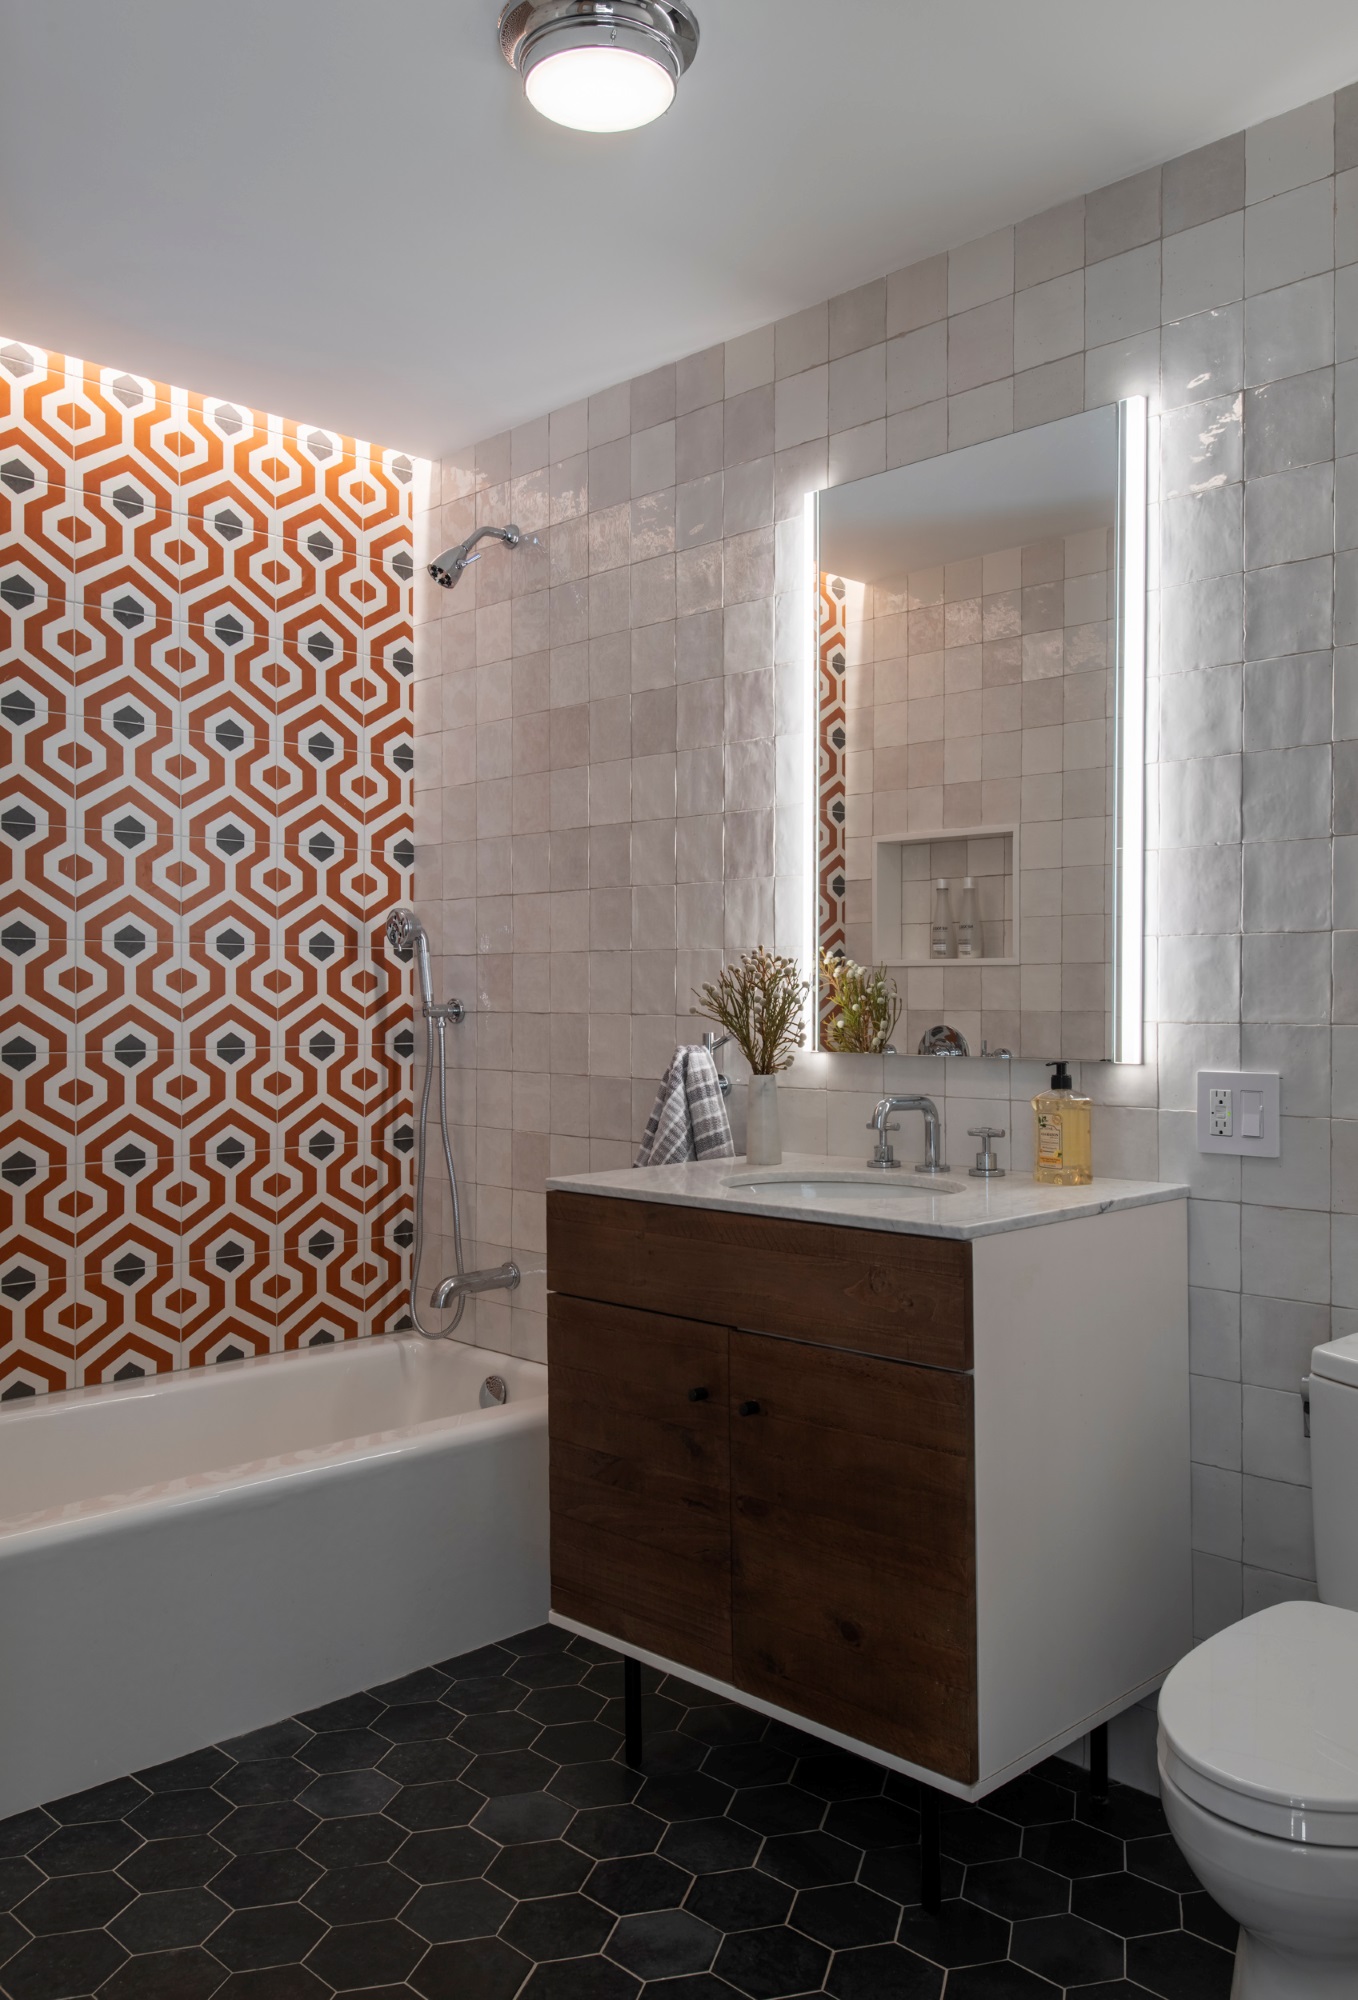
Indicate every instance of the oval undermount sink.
{"type": "Point", "coordinates": [845, 1187]}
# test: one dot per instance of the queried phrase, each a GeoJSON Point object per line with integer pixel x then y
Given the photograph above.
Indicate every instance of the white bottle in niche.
{"type": "Point", "coordinates": [968, 924]}
{"type": "Point", "coordinates": [940, 934]}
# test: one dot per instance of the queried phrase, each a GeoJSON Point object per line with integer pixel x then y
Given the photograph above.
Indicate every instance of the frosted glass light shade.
{"type": "Point", "coordinates": [599, 89]}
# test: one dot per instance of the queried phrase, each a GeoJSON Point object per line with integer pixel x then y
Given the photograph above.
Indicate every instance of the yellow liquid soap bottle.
{"type": "Point", "coordinates": [1064, 1149]}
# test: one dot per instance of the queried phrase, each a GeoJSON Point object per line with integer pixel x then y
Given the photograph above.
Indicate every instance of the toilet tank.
{"type": "Point", "coordinates": [1334, 1469]}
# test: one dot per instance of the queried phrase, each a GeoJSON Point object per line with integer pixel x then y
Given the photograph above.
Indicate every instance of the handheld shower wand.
{"type": "Point", "coordinates": [407, 936]}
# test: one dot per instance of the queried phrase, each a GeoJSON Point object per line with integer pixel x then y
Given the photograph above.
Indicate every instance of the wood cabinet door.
{"type": "Point", "coordinates": [640, 1479]}
{"type": "Point", "coordinates": [853, 1546]}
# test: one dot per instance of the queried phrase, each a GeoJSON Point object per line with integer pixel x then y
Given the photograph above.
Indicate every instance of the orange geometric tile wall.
{"type": "Point", "coordinates": [205, 817]}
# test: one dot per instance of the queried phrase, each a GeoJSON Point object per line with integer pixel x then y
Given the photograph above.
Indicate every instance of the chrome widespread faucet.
{"type": "Point", "coordinates": [933, 1134]}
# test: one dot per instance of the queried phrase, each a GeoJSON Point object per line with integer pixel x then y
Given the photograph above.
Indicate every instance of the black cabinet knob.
{"type": "Point", "coordinates": [698, 1395]}
{"type": "Point", "coordinates": [749, 1409]}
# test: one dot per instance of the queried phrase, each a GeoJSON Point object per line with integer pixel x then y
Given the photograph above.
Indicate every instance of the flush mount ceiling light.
{"type": "Point", "coordinates": [599, 65]}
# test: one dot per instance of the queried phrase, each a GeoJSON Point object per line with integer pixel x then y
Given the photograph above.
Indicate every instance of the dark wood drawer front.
{"type": "Point", "coordinates": [640, 1479]}
{"type": "Point", "coordinates": [907, 1298]}
{"type": "Point", "coordinates": [853, 1546]}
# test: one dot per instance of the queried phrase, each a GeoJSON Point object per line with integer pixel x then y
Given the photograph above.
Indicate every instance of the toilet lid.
{"type": "Point", "coordinates": [1260, 1724]}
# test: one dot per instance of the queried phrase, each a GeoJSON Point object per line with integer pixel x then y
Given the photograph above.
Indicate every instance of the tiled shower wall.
{"type": "Point", "coordinates": [607, 753]}
{"type": "Point", "coordinates": [205, 665]}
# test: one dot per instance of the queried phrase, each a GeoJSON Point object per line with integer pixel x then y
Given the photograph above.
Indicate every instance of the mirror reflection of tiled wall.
{"type": "Point", "coordinates": [979, 695]}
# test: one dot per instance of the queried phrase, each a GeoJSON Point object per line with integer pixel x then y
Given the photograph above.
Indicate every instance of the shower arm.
{"type": "Point", "coordinates": [447, 568]}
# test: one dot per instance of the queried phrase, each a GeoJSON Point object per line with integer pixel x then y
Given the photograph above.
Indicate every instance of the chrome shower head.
{"type": "Point", "coordinates": [447, 568]}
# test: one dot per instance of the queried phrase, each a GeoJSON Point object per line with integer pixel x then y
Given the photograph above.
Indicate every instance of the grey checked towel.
{"type": "Point", "coordinates": [688, 1120]}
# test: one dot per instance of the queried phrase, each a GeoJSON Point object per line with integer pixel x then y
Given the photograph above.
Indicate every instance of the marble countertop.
{"type": "Point", "coordinates": [957, 1207]}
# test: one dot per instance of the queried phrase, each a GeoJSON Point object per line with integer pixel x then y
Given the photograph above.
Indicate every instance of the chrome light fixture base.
{"type": "Point", "coordinates": [665, 32]}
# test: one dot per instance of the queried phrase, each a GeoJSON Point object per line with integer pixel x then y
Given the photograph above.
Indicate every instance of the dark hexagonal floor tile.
{"type": "Point", "coordinates": [280, 1982]}
{"type": "Point", "coordinates": [768, 1964]}
{"type": "Point", "coordinates": [872, 1822]}
{"type": "Point", "coordinates": [488, 1660]}
{"type": "Point", "coordinates": [252, 1880]}
{"type": "Point", "coordinates": [358, 1955]}
{"type": "Point", "coordinates": [483, 1695]}
{"type": "Point", "coordinates": [429, 1762]}
{"type": "Point", "coordinates": [1159, 1859]}
{"type": "Point", "coordinates": [425, 1684]}
{"type": "Point", "coordinates": [186, 1974]}
{"type": "Point", "coordinates": [723, 1722]}
{"type": "Point", "coordinates": [1072, 1848]}
{"type": "Point", "coordinates": [72, 1962]}
{"type": "Point", "coordinates": [1016, 1889]}
{"type": "Point", "coordinates": [17, 1878]}
{"type": "Point", "coordinates": [845, 1915]}
{"type": "Point", "coordinates": [346, 1794]}
{"type": "Point", "coordinates": [1125, 1904]}
{"type": "Point", "coordinates": [706, 1845]}
{"type": "Point", "coordinates": [114, 1800]}
{"type": "Point", "coordinates": [1179, 1967]}
{"type": "Point", "coordinates": [1206, 1919]}
{"type": "Point", "coordinates": [1126, 1814]}
{"type": "Point", "coordinates": [746, 1764]}
{"type": "Point", "coordinates": [74, 1903]}
{"type": "Point", "coordinates": [262, 1782]}
{"type": "Point", "coordinates": [690, 1986]}
{"type": "Point", "coordinates": [961, 1934]}
{"type": "Point", "coordinates": [171, 1815]}
{"type": "Point", "coordinates": [169, 1920]}
{"type": "Point", "coordinates": [277, 1934]}
{"type": "Point", "coordinates": [895, 1872]}
{"type": "Point", "coordinates": [508, 1771]}
{"type": "Point", "coordinates": [345, 1750]}
{"type": "Point", "coordinates": [883, 1972]}
{"type": "Point", "coordinates": [575, 1742]}
{"type": "Point", "coordinates": [448, 1912]}
{"type": "Point", "coordinates": [838, 1774]}
{"type": "Point", "coordinates": [351, 1711]}
{"type": "Point", "coordinates": [1031, 1801]}
{"type": "Point", "coordinates": [501, 1729]}
{"type": "Point", "coordinates": [997, 1982]}
{"type": "Point", "coordinates": [12, 1936]}
{"type": "Point", "coordinates": [22, 1831]}
{"type": "Point", "coordinates": [777, 1809]}
{"type": "Point", "coordinates": [174, 1864]}
{"type": "Point", "coordinates": [684, 1795]}
{"type": "Point", "coordinates": [360, 1895]}
{"type": "Point", "coordinates": [193, 1773]}
{"type": "Point", "coordinates": [640, 1882]}
{"type": "Point", "coordinates": [450, 1854]}
{"type": "Point", "coordinates": [605, 1784]}
{"type": "Point", "coordinates": [524, 1816]}
{"type": "Point", "coordinates": [540, 1868]}
{"type": "Point", "coordinates": [558, 1705]}
{"type": "Point", "coordinates": [609, 1831]}
{"type": "Point", "coordinates": [348, 1843]}
{"type": "Point", "coordinates": [422, 1808]}
{"type": "Point", "coordinates": [85, 1849]}
{"type": "Point", "coordinates": [1067, 1950]}
{"type": "Point", "coordinates": [973, 1834]}
{"type": "Point", "coordinates": [809, 1860]}
{"type": "Point", "coordinates": [417, 1722]}
{"type": "Point", "coordinates": [662, 1944]}
{"type": "Point", "coordinates": [580, 1979]}
{"type": "Point", "coordinates": [483, 1969]}
{"type": "Point", "coordinates": [278, 1739]}
{"type": "Point", "coordinates": [742, 1899]}
{"type": "Point", "coordinates": [261, 1829]}
{"type": "Point", "coordinates": [557, 1927]}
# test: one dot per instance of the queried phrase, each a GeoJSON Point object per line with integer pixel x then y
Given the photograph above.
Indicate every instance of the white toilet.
{"type": "Point", "coordinates": [1258, 1744]}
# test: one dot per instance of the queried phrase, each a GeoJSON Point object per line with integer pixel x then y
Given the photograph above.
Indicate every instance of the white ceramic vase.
{"type": "Point", "coordinates": [763, 1137]}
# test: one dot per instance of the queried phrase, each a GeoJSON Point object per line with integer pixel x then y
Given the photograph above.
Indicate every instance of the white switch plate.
{"type": "Point", "coordinates": [1238, 1113]}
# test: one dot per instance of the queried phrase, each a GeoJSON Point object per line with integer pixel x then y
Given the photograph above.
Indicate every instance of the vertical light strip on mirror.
{"type": "Point", "coordinates": [1129, 762]}
{"type": "Point", "coordinates": [810, 622]}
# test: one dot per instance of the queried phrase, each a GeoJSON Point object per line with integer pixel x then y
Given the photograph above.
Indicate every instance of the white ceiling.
{"type": "Point", "coordinates": [343, 209]}
{"type": "Point", "coordinates": [1057, 479]}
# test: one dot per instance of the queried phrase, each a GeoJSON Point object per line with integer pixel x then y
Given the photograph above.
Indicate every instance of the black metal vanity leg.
{"type": "Point", "coordinates": [631, 1710]}
{"type": "Point", "coordinates": [1098, 1761]}
{"type": "Point", "coordinates": [930, 1865]}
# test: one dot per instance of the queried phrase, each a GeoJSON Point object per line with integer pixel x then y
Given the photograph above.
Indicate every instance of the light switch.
{"type": "Point", "coordinates": [1238, 1113]}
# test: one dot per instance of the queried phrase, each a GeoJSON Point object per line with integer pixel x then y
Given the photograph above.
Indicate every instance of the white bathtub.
{"type": "Point", "coordinates": [199, 1554]}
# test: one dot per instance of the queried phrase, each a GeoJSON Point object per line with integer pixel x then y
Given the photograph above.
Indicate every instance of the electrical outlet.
{"type": "Point", "coordinates": [1238, 1112]}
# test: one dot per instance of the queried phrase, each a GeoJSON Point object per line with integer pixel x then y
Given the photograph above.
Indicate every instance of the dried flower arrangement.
{"type": "Point", "coordinates": [759, 1003]}
{"type": "Point", "coordinates": [864, 1006]}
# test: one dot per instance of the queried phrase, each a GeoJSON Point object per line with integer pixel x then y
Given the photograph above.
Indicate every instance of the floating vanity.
{"type": "Point", "coordinates": [903, 1463]}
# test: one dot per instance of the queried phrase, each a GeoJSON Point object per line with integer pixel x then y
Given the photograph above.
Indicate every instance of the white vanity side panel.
{"type": "Point", "coordinates": [1083, 1567]}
